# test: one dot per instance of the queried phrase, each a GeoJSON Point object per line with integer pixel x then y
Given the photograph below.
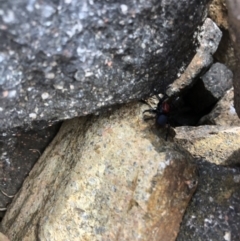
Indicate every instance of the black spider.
{"type": "Point", "coordinates": [162, 113]}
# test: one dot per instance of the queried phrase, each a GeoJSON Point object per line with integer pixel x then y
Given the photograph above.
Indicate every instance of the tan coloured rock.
{"type": "Point", "coordinates": [217, 11]}
{"type": "Point", "coordinates": [216, 144]}
{"type": "Point", "coordinates": [223, 113]}
{"type": "Point", "coordinates": [110, 177]}
{"type": "Point", "coordinates": [3, 237]}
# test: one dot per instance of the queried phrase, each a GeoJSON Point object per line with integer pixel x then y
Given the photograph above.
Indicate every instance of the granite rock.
{"type": "Point", "coordinates": [68, 58]}
{"type": "Point", "coordinates": [214, 212]}
{"type": "Point", "coordinates": [216, 144]}
{"type": "Point", "coordinates": [111, 177]}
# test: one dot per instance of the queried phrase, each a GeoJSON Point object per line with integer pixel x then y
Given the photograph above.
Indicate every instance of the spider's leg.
{"type": "Point", "coordinates": [167, 132]}
{"type": "Point", "coordinates": [148, 118]}
{"type": "Point", "coordinates": [150, 111]}
{"type": "Point", "coordinates": [145, 102]}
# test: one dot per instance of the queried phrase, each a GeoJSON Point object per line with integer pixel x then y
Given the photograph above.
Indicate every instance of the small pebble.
{"type": "Point", "coordinates": [45, 95]}
{"type": "Point", "coordinates": [33, 115]}
{"type": "Point", "coordinates": [50, 76]}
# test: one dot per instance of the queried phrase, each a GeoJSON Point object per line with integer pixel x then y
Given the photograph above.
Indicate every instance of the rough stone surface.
{"type": "Point", "coordinates": [62, 59]}
{"type": "Point", "coordinates": [223, 113]}
{"type": "Point", "coordinates": [214, 212]}
{"type": "Point", "coordinates": [3, 237]}
{"type": "Point", "coordinates": [216, 144]}
{"type": "Point", "coordinates": [111, 177]}
{"type": "Point", "coordinates": [210, 87]}
{"type": "Point", "coordinates": [209, 39]}
{"type": "Point", "coordinates": [234, 27]}
{"type": "Point", "coordinates": [218, 79]}
{"type": "Point", "coordinates": [217, 11]}
{"type": "Point", "coordinates": [19, 150]}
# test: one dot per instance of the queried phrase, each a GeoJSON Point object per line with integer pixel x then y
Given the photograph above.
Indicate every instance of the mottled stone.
{"type": "Point", "coordinates": [218, 80]}
{"type": "Point", "coordinates": [208, 39]}
{"type": "Point", "coordinates": [111, 177]}
{"type": "Point", "coordinates": [214, 212]}
{"type": "Point", "coordinates": [88, 54]}
{"type": "Point", "coordinates": [216, 144]}
{"type": "Point", "coordinates": [223, 113]}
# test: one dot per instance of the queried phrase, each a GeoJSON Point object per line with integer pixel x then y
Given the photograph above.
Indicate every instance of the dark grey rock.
{"type": "Point", "coordinates": [19, 151]}
{"type": "Point", "coordinates": [210, 87]}
{"type": "Point", "coordinates": [218, 80]}
{"type": "Point", "coordinates": [214, 212]}
{"type": "Point", "coordinates": [61, 59]}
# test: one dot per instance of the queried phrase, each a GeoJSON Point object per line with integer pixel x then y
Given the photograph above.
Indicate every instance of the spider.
{"type": "Point", "coordinates": [161, 113]}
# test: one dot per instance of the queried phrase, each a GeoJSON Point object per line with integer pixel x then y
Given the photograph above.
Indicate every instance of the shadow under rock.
{"type": "Point", "coordinates": [19, 151]}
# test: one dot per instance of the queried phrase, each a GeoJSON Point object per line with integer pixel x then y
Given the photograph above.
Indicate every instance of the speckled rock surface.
{"type": "Point", "coordinates": [67, 58]}
{"type": "Point", "coordinates": [223, 113]}
{"type": "Point", "coordinates": [209, 39]}
{"type": "Point", "coordinates": [216, 144]}
{"type": "Point", "coordinates": [214, 212]}
{"type": "Point", "coordinates": [218, 79]}
{"type": "Point", "coordinates": [111, 177]}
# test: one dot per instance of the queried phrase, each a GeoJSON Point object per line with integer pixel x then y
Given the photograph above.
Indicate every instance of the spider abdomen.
{"type": "Point", "coordinates": [162, 119]}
